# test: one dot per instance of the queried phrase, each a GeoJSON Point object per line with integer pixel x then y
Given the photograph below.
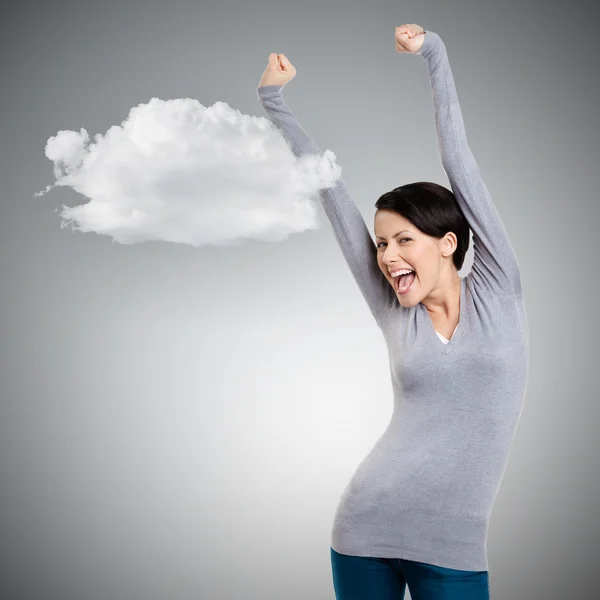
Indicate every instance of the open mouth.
{"type": "Point", "coordinates": [403, 283]}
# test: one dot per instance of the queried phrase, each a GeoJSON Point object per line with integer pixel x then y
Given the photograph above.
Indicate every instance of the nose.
{"type": "Point", "coordinates": [393, 262]}
{"type": "Point", "coordinates": [392, 266]}
{"type": "Point", "coordinates": [389, 259]}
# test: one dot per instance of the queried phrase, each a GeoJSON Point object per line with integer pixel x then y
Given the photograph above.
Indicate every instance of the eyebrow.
{"type": "Point", "coordinates": [378, 236]}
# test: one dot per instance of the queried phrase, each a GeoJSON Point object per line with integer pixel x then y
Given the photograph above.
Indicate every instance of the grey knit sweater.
{"type": "Point", "coordinates": [425, 491]}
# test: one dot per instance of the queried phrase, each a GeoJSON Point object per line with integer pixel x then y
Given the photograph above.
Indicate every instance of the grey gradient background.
{"type": "Point", "coordinates": [180, 422]}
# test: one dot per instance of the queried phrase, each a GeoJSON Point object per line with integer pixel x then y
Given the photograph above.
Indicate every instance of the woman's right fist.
{"type": "Point", "coordinates": [279, 71]}
{"type": "Point", "coordinates": [409, 37]}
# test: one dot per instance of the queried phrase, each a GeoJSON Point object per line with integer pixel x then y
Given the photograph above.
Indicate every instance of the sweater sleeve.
{"type": "Point", "coordinates": [349, 227]}
{"type": "Point", "coordinates": [495, 269]}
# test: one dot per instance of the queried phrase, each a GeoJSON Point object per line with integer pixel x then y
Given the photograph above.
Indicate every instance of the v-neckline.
{"type": "Point", "coordinates": [457, 335]}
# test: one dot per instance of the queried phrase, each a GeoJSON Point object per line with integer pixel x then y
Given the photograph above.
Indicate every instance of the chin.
{"type": "Point", "coordinates": [407, 301]}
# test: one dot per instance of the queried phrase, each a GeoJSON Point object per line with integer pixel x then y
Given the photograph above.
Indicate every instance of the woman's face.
{"type": "Point", "coordinates": [400, 245]}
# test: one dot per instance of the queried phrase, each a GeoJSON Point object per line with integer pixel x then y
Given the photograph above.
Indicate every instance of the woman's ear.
{"type": "Point", "coordinates": [449, 244]}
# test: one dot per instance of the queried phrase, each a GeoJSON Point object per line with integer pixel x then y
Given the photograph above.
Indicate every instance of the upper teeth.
{"type": "Point", "coordinates": [400, 272]}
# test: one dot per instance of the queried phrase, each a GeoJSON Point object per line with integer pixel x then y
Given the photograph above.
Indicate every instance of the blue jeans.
{"type": "Point", "coordinates": [373, 578]}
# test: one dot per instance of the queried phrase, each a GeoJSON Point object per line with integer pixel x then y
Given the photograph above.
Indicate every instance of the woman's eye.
{"type": "Point", "coordinates": [407, 239]}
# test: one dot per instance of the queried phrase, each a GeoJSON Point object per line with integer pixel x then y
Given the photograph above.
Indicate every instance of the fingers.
{"type": "Point", "coordinates": [286, 65]}
{"type": "Point", "coordinates": [409, 29]}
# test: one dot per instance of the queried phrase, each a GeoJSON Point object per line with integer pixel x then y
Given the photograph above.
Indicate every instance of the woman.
{"type": "Point", "coordinates": [417, 510]}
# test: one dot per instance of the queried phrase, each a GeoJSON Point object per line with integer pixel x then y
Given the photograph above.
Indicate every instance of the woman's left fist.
{"type": "Point", "coordinates": [409, 37]}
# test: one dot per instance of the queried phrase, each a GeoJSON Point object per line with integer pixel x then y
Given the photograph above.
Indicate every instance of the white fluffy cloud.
{"type": "Point", "coordinates": [178, 171]}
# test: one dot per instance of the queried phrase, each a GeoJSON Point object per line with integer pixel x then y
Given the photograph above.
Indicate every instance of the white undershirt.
{"type": "Point", "coordinates": [443, 338]}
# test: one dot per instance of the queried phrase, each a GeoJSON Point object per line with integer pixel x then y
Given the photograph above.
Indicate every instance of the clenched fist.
{"type": "Point", "coordinates": [409, 37]}
{"type": "Point", "coordinates": [279, 71]}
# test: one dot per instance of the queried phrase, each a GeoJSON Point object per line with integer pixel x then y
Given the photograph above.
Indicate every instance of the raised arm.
{"type": "Point", "coordinates": [495, 268]}
{"type": "Point", "coordinates": [351, 232]}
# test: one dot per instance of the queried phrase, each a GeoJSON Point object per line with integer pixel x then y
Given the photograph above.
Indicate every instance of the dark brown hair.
{"type": "Point", "coordinates": [433, 210]}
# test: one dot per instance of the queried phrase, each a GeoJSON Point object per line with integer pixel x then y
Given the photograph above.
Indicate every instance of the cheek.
{"type": "Point", "coordinates": [423, 260]}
